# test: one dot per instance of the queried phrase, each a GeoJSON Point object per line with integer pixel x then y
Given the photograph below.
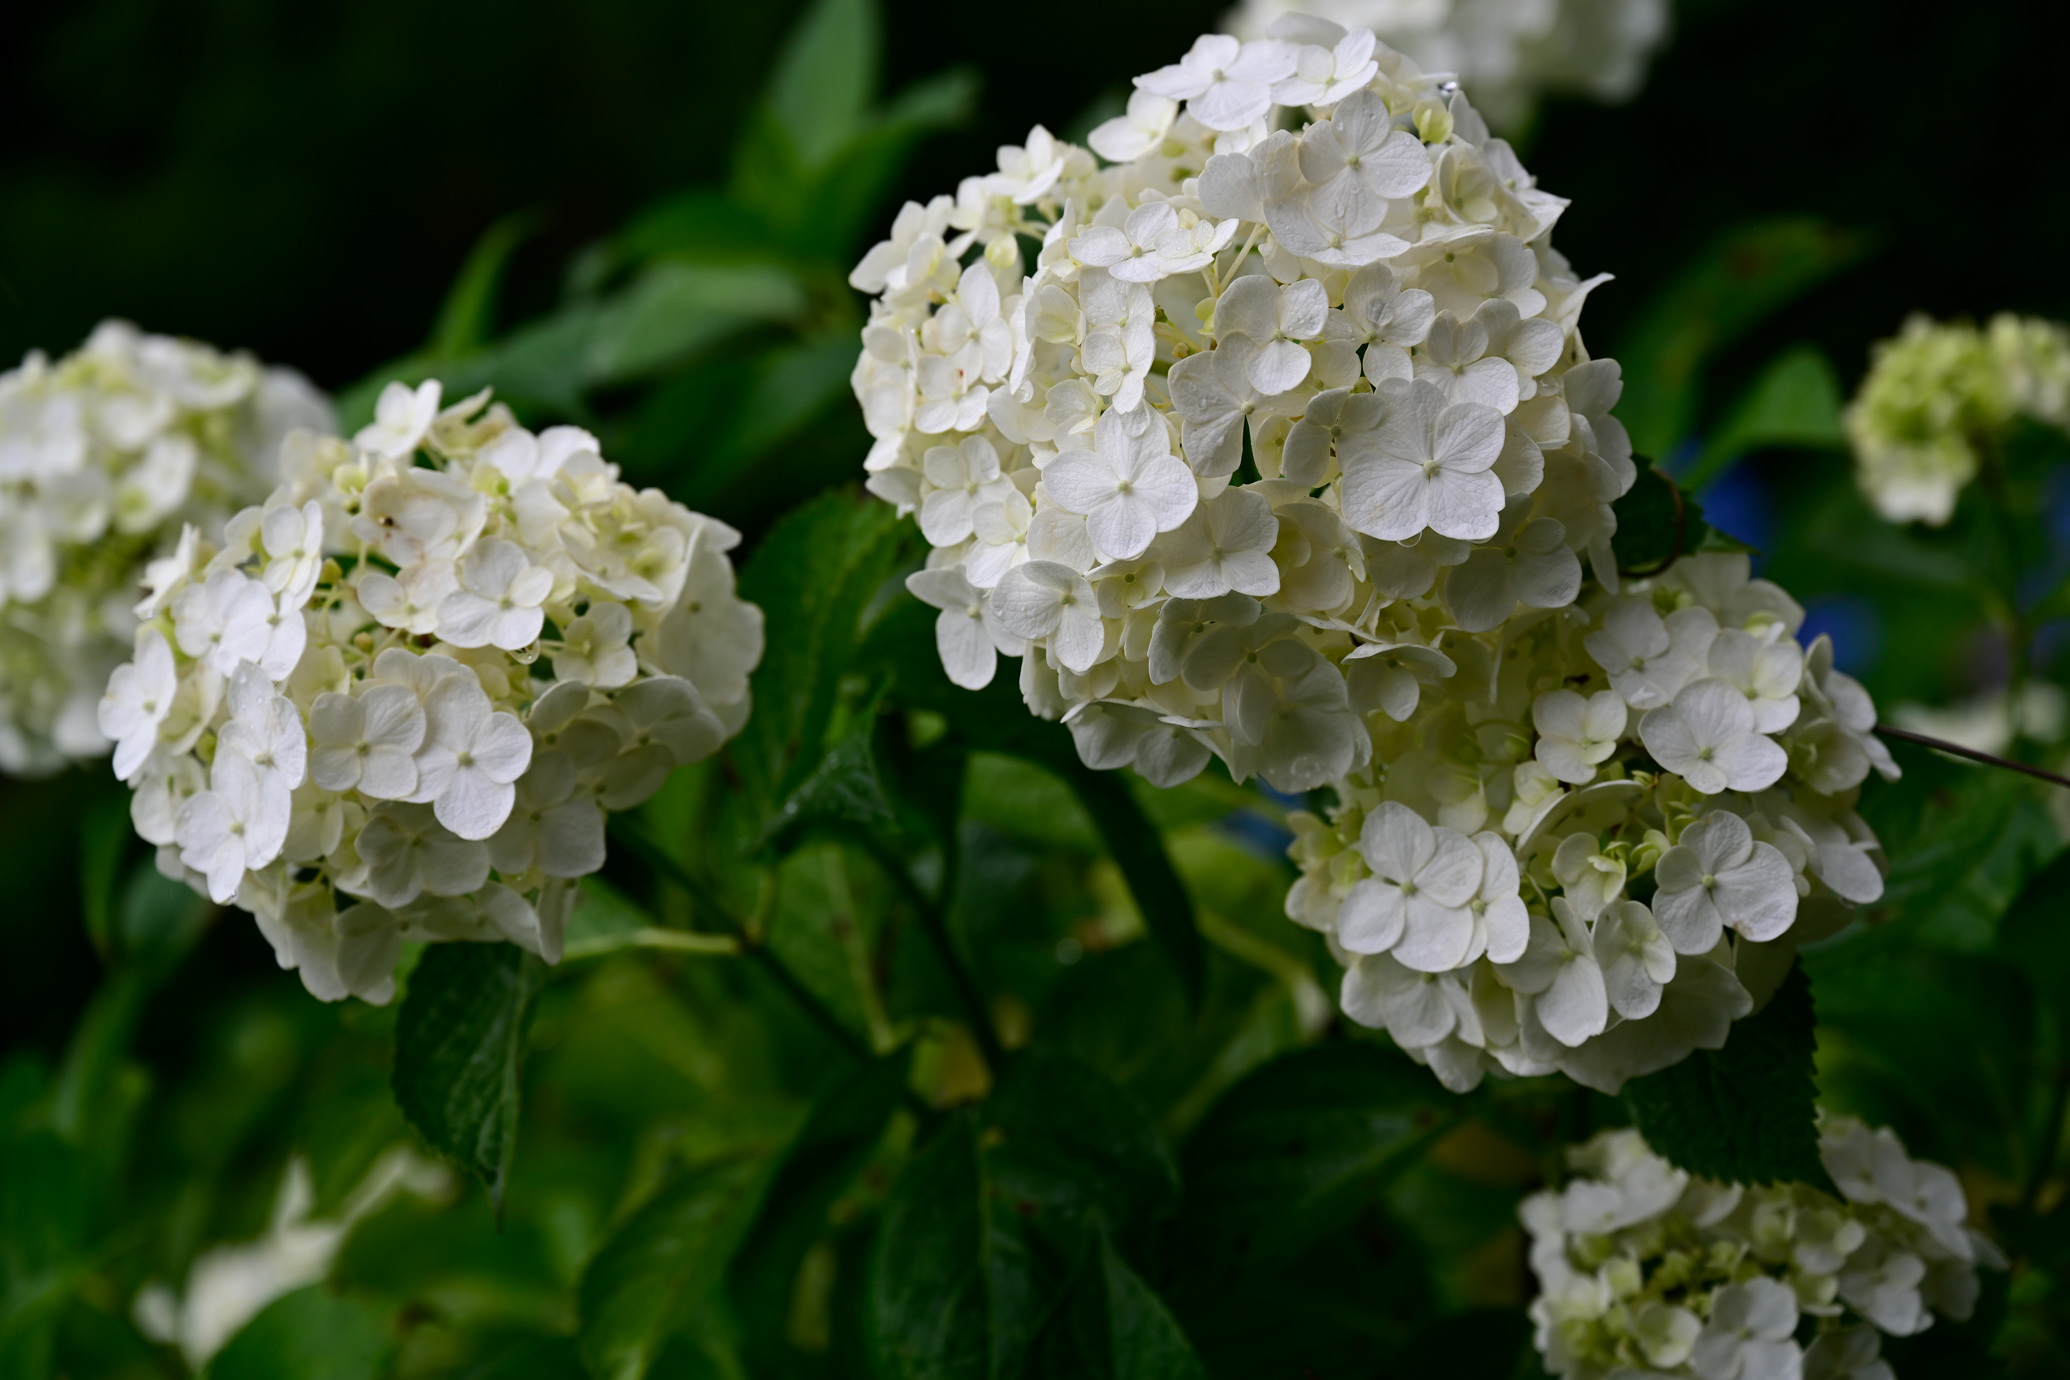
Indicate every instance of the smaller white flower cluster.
{"type": "Point", "coordinates": [1938, 398]}
{"type": "Point", "coordinates": [103, 456]}
{"type": "Point", "coordinates": [1509, 52]}
{"type": "Point", "coordinates": [1585, 835]}
{"type": "Point", "coordinates": [398, 701]}
{"type": "Point", "coordinates": [1646, 1270]}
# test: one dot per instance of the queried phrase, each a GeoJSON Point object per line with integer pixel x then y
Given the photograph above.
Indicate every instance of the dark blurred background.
{"type": "Point", "coordinates": [306, 181]}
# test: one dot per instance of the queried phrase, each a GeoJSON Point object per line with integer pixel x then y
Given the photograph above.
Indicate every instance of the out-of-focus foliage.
{"type": "Point", "coordinates": [894, 1042]}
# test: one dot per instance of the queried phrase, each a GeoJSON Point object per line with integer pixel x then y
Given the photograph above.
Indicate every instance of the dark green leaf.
{"type": "Point", "coordinates": [814, 575]}
{"type": "Point", "coordinates": [1294, 1149]}
{"type": "Point", "coordinates": [844, 791]}
{"type": "Point", "coordinates": [1112, 1326]}
{"type": "Point", "coordinates": [1138, 851]}
{"type": "Point", "coordinates": [659, 1269]}
{"type": "Point", "coordinates": [2035, 932]}
{"type": "Point", "coordinates": [675, 308]}
{"type": "Point", "coordinates": [310, 1334]}
{"type": "Point", "coordinates": [1745, 1113]}
{"type": "Point", "coordinates": [1795, 402]}
{"type": "Point", "coordinates": [1743, 277]}
{"type": "Point", "coordinates": [1656, 523]}
{"type": "Point", "coordinates": [826, 79]}
{"type": "Point", "coordinates": [1065, 1132]}
{"type": "Point", "coordinates": [948, 1296]}
{"type": "Point", "coordinates": [845, 1127]}
{"type": "Point", "coordinates": [1963, 840]}
{"type": "Point", "coordinates": [459, 1040]}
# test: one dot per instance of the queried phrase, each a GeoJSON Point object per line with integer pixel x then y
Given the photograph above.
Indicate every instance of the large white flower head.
{"type": "Point", "coordinates": [1645, 1269]}
{"type": "Point", "coordinates": [1939, 397]}
{"type": "Point", "coordinates": [1301, 342]}
{"type": "Point", "coordinates": [105, 456]}
{"type": "Point", "coordinates": [1659, 787]}
{"type": "Point", "coordinates": [1509, 52]}
{"type": "Point", "coordinates": [398, 699]}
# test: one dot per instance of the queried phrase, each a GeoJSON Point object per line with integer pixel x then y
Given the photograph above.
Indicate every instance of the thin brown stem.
{"type": "Point", "coordinates": [1989, 759]}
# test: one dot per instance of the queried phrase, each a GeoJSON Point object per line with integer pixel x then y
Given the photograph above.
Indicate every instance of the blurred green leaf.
{"type": "Point", "coordinates": [673, 309]}
{"type": "Point", "coordinates": [814, 575]}
{"type": "Point", "coordinates": [310, 1334]}
{"type": "Point", "coordinates": [1743, 277]}
{"type": "Point", "coordinates": [826, 79]}
{"type": "Point", "coordinates": [844, 790]}
{"type": "Point", "coordinates": [1745, 1113]}
{"type": "Point", "coordinates": [1137, 850]}
{"type": "Point", "coordinates": [1293, 1150]}
{"type": "Point", "coordinates": [1795, 402]}
{"type": "Point", "coordinates": [2034, 932]}
{"type": "Point", "coordinates": [46, 1223]}
{"type": "Point", "coordinates": [459, 1041]}
{"type": "Point", "coordinates": [662, 1265]}
{"type": "Point", "coordinates": [467, 320]}
{"type": "Point", "coordinates": [948, 1294]}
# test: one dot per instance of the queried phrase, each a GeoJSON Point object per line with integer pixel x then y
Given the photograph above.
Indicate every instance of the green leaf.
{"type": "Point", "coordinates": [1742, 278]}
{"type": "Point", "coordinates": [984, 1227]}
{"type": "Point", "coordinates": [845, 1127]}
{"type": "Point", "coordinates": [1657, 522]}
{"type": "Point", "coordinates": [1293, 1150]}
{"type": "Point", "coordinates": [2034, 935]}
{"type": "Point", "coordinates": [310, 1334]}
{"type": "Point", "coordinates": [675, 308]}
{"type": "Point", "coordinates": [467, 320]}
{"type": "Point", "coordinates": [994, 719]}
{"type": "Point", "coordinates": [1795, 402]}
{"type": "Point", "coordinates": [1745, 1113]}
{"type": "Point", "coordinates": [660, 1268]}
{"type": "Point", "coordinates": [1963, 840]}
{"type": "Point", "coordinates": [1112, 1326]}
{"type": "Point", "coordinates": [459, 1041]}
{"type": "Point", "coordinates": [845, 790]}
{"type": "Point", "coordinates": [814, 576]}
{"type": "Point", "coordinates": [821, 93]}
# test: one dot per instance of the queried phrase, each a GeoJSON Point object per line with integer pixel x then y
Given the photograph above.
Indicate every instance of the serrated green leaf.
{"type": "Point", "coordinates": [663, 1264]}
{"type": "Point", "coordinates": [1112, 1326]}
{"type": "Point", "coordinates": [310, 1334]}
{"type": "Point", "coordinates": [459, 1042]}
{"type": "Point", "coordinates": [1737, 281]}
{"type": "Point", "coordinates": [1657, 523]}
{"type": "Point", "coordinates": [844, 791]}
{"type": "Point", "coordinates": [814, 575]}
{"type": "Point", "coordinates": [1064, 1133]}
{"type": "Point", "coordinates": [1746, 1113]}
{"type": "Point", "coordinates": [1293, 1150]}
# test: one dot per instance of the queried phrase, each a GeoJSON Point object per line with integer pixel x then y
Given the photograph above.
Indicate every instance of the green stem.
{"type": "Point", "coordinates": [652, 937]}
{"type": "Point", "coordinates": [750, 944]}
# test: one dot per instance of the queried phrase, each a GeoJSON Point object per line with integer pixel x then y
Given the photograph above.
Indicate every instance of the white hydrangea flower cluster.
{"type": "Point", "coordinates": [400, 699]}
{"type": "Point", "coordinates": [1939, 396]}
{"type": "Point", "coordinates": [1644, 1269]}
{"type": "Point", "coordinates": [1559, 824]}
{"type": "Point", "coordinates": [1592, 837]}
{"type": "Point", "coordinates": [1511, 53]}
{"type": "Point", "coordinates": [103, 456]}
{"type": "Point", "coordinates": [1363, 321]}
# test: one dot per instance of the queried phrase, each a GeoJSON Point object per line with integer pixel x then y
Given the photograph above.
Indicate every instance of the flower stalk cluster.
{"type": "Point", "coordinates": [1644, 1269]}
{"type": "Point", "coordinates": [400, 697]}
{"type": "Point", "coordinates": [1273, 439]}
{"type": "Point", "coordinates": [104, 456]}
{"type": "Point", "coordinates": [1940, 398]}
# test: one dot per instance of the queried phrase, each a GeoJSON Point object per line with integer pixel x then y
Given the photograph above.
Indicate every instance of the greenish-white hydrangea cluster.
{"type": "Point", "coordinates": [1644, 1269]}
{"type": "Point", "coordinates": [104, 455]}
{"type": "Point", "coordinates": [1591, 837]}
{"type": "Point", "coordinates": [1940, 397]}
{"type": "Point", "coordinates": [1510, 53]}
{"type": "Point", "coordinates": [397, 700]}
{"type": "Point", "coordinates": [1289, 452]}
